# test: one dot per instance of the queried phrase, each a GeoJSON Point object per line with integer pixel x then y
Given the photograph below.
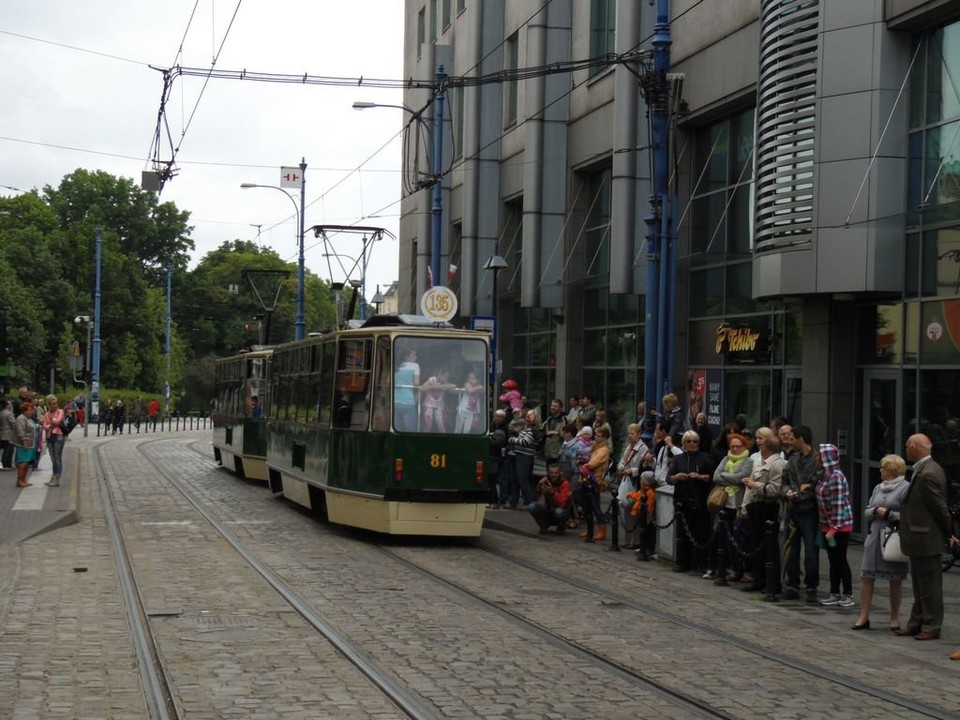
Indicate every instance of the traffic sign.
{"type": "Point", "coordinates": [291, 177]}
{"type": "Point", "coordinates": [439, 303]}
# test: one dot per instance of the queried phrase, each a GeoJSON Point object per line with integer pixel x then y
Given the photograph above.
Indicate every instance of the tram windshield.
{"type": "Point", "coordinates": [438, 385]}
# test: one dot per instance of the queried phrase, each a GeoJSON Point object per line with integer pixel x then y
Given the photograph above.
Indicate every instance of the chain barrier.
{"type": "Point", "coordinates": [732, 543]}
{"type": "Point", "coordinates": [689, 533]}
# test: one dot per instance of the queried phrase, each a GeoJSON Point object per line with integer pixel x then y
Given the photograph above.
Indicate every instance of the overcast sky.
{"type": "Point", "coordinates": [99, 97]}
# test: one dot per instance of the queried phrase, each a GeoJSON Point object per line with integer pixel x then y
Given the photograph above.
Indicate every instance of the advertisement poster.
{"type": "Point", "coordinates": [705, 395]}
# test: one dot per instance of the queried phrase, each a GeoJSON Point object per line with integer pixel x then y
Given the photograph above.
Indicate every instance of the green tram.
{"type": "Point", "coordinates": [239, 426]}
{"type": "Point", "coordinates": [383, 426]}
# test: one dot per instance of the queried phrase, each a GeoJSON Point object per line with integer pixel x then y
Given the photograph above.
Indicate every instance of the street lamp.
{"type": "Point", "coordinates": [495, 264]}
{"type": "Point", "coordinates": [436, 168]}
{"type": "Point", "coordinates": [299, 324]}
{"type": "Point", "coordinates": [378, 299]}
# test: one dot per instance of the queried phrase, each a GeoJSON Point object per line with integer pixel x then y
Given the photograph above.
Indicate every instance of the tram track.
{"type": "Point", "coordinates": [729, 639]}
{"type": "Point", "coordinates": [405, 700]}
{"type": "Point", "coordinates": [689, 706]}
{"type": "Point", "coordinates": [154, 676]}
{"type": "Point", "coordinates": [623, 672]}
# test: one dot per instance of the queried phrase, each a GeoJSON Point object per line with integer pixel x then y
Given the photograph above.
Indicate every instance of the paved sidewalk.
{"type": "Point", "coordinates": [25, 512]}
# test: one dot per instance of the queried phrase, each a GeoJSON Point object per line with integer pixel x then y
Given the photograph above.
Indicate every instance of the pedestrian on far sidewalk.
{"type": "Point", "coordinates": [27, 439]}
{"type": "Point", "coordinates": [6, 434]}
{"type": "Point", "coordinates": [53, 433]}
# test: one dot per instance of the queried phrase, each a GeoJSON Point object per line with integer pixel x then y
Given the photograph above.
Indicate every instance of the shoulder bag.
{"type": "Point", "coordinates": [717, 499]}
{"type": "Point", "coordinates": [890, 547]}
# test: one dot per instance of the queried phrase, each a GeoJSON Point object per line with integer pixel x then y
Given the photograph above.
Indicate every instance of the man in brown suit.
{"type": "Point", "coordinates": [924, 526]}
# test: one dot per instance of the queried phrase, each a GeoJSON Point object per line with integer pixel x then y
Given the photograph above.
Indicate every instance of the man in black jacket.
{"type": "Point", "coordinates": [801, 478]}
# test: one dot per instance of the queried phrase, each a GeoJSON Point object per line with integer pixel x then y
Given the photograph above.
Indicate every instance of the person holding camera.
{"type": "Point", "coordinates": [549, 506]}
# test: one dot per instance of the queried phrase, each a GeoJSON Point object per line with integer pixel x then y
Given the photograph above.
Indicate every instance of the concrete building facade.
{"type": "Point", "coordinates": [814, 205]}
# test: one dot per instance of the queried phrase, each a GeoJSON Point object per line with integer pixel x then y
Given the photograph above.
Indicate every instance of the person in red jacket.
{"type": "Point", "coordinates": [554, 492]}
{"type": "Point", "coordinates": [153, 409]}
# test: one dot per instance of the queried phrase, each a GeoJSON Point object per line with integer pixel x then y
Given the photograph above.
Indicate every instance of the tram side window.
{"type": "Point", "coordinates": [381, 388]}
{"type": "Point", "coordinates": [327, 373]}
{"type": "Point", "coordinates": [438, 385]}
{"type": "Point", "coordinates": [353, 384]}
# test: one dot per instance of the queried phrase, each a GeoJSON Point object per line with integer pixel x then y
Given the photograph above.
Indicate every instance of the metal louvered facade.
{"type": "Point", "coordinates": [786, 123]}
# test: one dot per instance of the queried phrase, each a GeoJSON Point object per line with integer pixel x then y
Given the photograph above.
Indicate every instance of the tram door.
{"type": "Point", "coordinates": [880, 435]}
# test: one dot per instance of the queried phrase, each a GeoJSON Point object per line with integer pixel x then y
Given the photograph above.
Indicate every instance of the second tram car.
{"type": "Point", "coordinates": [384, 427]}
{"type": "Point", "coordinates": [239, 427]}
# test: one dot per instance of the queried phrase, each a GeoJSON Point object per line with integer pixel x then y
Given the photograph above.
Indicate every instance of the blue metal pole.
{"type": "Point", "coordinates": [94, 409]}
{"type": "Point", "coordinates": [300, 324]}
{"type": "Point", "coordinates": [659, 103]}
{"type": "Point", "coordinates": [437, 209]}
{"type": "Point", "coordinates": [651, 310]}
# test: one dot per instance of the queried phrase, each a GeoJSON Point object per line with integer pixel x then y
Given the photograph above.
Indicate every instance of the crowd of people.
{"type": "Point", "coordinates": [752, 507]}
{"type": "Point", "coordinates": [29, 425]}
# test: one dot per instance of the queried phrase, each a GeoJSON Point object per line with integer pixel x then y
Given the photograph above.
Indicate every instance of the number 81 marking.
{"type": "Point", "coordinates": [438, 461]}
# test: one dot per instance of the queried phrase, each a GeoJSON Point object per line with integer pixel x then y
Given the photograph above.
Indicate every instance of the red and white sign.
{"type": "Point", "coordinates": [291, 177]}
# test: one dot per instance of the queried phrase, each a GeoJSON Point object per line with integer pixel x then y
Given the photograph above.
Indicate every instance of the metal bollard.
{"type": "Point", "coordinates": [770, 539]}
{"type": "Point", "coordinates": [615, 524]}
{"type": "Point", "coordinates": [723, 538]}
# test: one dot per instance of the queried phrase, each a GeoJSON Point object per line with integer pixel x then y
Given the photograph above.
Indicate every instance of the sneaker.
{"type": "Point", "coordinates": [846, 601]}
{"type": "Point", "coordinates": [52, 483]}
{"type": "Point", "coordinates": [831, 599]}
{"type": "Point", "coordinates": [791, 594]}
{"type": "Point", "coordinates": [709, 575]}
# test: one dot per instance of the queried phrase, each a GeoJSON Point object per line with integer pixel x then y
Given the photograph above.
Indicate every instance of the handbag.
{"type": "Point", "coordinates": [890, 548]}
{"type": "Point", "coordinates": [717, 499]}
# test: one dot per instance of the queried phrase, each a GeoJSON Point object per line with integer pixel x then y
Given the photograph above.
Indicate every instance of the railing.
{"type": "Point", "coordinates": [169, 423]}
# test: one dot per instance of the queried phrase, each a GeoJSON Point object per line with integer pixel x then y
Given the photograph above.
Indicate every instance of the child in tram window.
{"type": "Point", "coordinates": [468, 409]}
{"type": "Point", "coordinates": [433, 396]}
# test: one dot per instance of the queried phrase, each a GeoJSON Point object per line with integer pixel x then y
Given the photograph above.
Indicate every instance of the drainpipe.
{"type": "Point", "coordinates": [533, 165]}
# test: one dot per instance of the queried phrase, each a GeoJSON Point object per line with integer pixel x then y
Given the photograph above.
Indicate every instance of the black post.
{"type": "Point", "coordinates": [770, 539]}
{"type": "Point", "coordinates": [615, 524]}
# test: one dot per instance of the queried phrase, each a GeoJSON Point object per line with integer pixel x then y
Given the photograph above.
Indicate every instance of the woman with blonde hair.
{"type": "Point", "coordinates": [883, 508]}
{"type": "Point", "coordinates": [51, 421]}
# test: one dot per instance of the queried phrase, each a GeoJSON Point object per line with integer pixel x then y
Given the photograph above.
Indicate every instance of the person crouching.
{"type": "Point", "coordinates": [549, 506]}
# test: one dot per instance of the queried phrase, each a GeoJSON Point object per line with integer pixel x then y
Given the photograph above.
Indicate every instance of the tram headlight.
{"type": "Point", "coordinates": [478, 472]}
{"type": "Point", "coordinates": [398, 470]}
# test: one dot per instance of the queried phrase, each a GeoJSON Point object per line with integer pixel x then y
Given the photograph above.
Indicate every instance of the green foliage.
{"type": "Point", "coordinates": [48, 271]}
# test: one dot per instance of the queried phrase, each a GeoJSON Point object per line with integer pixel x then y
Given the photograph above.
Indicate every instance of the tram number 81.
{"type": "Point", "coordinates": [438, 461]}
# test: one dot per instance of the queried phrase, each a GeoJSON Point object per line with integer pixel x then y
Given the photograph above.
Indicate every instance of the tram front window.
{"type": "Point", "coordinates": [438, 385]}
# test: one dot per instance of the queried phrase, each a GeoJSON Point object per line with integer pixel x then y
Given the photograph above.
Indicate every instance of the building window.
{"type": "Point", "coordinates": [597, 228]}
{"type": "Point", "coordinates": [511, 244]}
{"type": "Point", "coordinates": [461, 6]}
{"type": "Point", "coordinates": [613, 354]}
{"type": "Point", "coordinates": [457, 120]}
{"type": "Point", "coordinates": [433, 20]}
{"type": "Point", "coordinates": [534, 340]}
{"type": "Point", "coordinates": [721, 226]}
{"type": "Point", "coordinates": [421, 30]}
{"type": "Point", "coordinates": [934, 162]}
{"type": "Point", "coordinates": [446, 14]}
{"type": "Point", "coordinates": [511, 59]}
{"type": "Point", "coordinates": [603, 30]}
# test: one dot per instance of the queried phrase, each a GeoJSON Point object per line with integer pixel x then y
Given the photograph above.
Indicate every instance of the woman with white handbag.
{"type": "Point", "coordinates": [883, 510]}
